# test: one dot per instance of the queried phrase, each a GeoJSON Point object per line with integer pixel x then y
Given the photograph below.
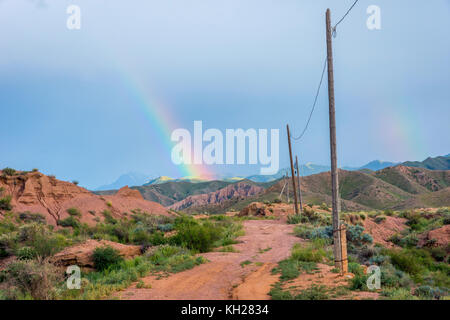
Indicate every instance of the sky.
{"type": "Point", "coordinates": [94, 103]}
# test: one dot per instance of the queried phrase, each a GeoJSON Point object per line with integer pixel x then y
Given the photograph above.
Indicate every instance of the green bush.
{"type": "Point", "coordinates": [165, 227]}
{"type": "Point", "coordinates": [105, 257]}
{"type": "Point", "coordinates": [294, 219]}
{"type": "Point", "coordinates": [413, 261]}
{"type": "Point", "coordinates": [9, 171]}
{"type": "Point", "coordinates": [74, 212]}
{"type": "Point", "coordinates": [380, 219]}
{"type": "Point", "coordinates": [356, 236]}
{"type": "Point", "coordinates": [438, 253]}
{"type": "Point", "coordinates": [430, 292]}
{"type": "Point", "coordinates": [32, 217]}
{"type": "Point", "coordinates": [26, 253]}
{"type": "Point", "coordinates": [7, 245]}
{"type": "Point", "coordinates": [69, 222]}
{"type": "Point", "coordinates": [315, 292]}
{"type": "Point", "coordinates": [359, 282]}
{"type": "Point", "coordinates": [398, 294]}
{"type": "Point", "coordinates": [32, 280]}
{"type": "Point", "coordinates": [5, 203]}
{"type": "Point", "coordinates": [393, 278]}
{"type": "Point", "coordinates": [308, 253]}
{"type": "Point", "coordinates": [277, 293]}
{"type": "Point", "coordinates": [196, 236]}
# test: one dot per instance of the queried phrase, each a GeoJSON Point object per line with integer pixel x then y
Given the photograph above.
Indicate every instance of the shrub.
{"type": "Point", "coordinates": [309, 253]}
{"type": "Point", "coordinates": [105, 257]}
{"type": "Point", "coordinates": [438, 253]}
{"type": "Point", "coordinates": [380, 219]}
{"type": "Point", "coordinates": [277, 293]}
{"type": "Point", "coordinates": [74, 212]}
{"type": "Point", "coordinates": [32, 279]}
{"type": "Point", "coordinates": [9, 171]}
{"type": "Point", "coordinates": [7, 244]}
{"type": "Point", "coordinates": [43, 240]}
{"type": "Point", "coordinates": [388, 212]}
{"type": "Point", "coordinates": [196, 236]}
{"type": "Point", "coordinates": [359, 282]}
{"type": "Point", "coordinates": [75, 182]}
{"type": "Point", "coordinates": [26, 253]}
{"type": "Point", "coordinates": [32, 217]}
{"type": "Point", "coordinates": [5, 203]}
{"type": "Point", "coordinates": [276, 200]}
{"type": "Point", "coordinates": [108, 217]}
{"type": "Point", "coordinates": [165, 227]}
{"type": "Point", "coordinates": [430, 292]}
{"type": "Point", "coordinates": [294, 219]}
{"type": "Point", "coordinates": [315, 292]}
{"type": "Point", "coordinates": [356, 236]}
{"type": "Point", "coordinates": [322, 233]}
{"type": "Point", "coordinates": [393, 278]}
{"type": "Point", "coordinates": [398, 294]}
{"type": "Point", "coordinates": [412, 261]}
{"type": "Point", "coordinates": [69, 222]}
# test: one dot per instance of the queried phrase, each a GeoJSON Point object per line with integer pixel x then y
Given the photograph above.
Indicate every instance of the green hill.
{"type": "Point", "coordinates": [437, 163]}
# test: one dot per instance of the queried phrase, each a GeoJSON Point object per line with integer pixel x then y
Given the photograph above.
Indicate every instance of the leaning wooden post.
{"type": "Point", "coordinates": [344, 262]}
{"type": "Point", "coordinates": [292, 170]}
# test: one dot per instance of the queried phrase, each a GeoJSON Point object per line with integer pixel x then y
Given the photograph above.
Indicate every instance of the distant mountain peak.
{"type": "Point", "coordinates": [376, 165]}
{"type": "Point", "coordinates": [128, 179]}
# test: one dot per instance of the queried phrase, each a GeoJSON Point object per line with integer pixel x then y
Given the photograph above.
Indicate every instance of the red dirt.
{"type": "Point", "coordinates": [382, 231]}
{"type": "Point", "coordinates": [441, 236]}
{"type": "Point", "coordinates": [217, 278]}
{"type": "Point", "coordinates": [38, 193]}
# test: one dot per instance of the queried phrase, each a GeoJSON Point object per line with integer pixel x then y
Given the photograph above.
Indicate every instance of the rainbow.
{"type": "Point", "coordinates": [163, 123]}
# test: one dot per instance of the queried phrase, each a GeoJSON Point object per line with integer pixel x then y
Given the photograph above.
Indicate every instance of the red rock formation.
{"type": "Point", "coordinates": [81, 254]}
{"type": "Point", "coordinates": [38, 193]}
{"type": "Point", "coordinates": [236, 190]}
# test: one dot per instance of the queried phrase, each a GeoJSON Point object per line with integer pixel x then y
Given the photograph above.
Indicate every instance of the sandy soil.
{"type": "Point", "coordinates": [381, 232]}
{"type": "Point", "coordinates": [223, 277]}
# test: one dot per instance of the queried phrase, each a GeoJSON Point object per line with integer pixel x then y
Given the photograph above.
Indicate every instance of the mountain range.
{"type": "Point", "coordinates": [397, 187]}
{"type": "Point", "coordinates": [138, 179]}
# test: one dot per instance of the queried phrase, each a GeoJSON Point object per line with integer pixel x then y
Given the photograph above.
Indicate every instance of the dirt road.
{"type": "Point", "coordinates": [226, 276]}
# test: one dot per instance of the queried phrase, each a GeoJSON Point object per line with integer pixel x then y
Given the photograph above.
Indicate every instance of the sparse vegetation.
{"type": "Point", "coordinates": [5, 203]}
{"type": "Point", "coordinates": [9, 171]}
{"type": "Point", "coordinates": [105, 258]}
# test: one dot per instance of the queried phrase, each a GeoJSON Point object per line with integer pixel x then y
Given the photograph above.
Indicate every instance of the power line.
{"type": "Point", "coordinates": [323, 72]}
{"type": "Point", "coordinates": [314, 104]}
{"type": "Point", "coordinates": [345, 15]}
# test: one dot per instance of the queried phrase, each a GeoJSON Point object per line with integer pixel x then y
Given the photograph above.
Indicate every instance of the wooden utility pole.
{"type": "Point", "coordinates": [334, 170]}
{"type": "Point", "coordinates": [292, 170]}
{"type": "Point", "coordinates": [299, 186]}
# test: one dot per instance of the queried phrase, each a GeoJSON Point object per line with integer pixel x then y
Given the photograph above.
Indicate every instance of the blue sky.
{"type": "Point", "coordinates": [66, 110]}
